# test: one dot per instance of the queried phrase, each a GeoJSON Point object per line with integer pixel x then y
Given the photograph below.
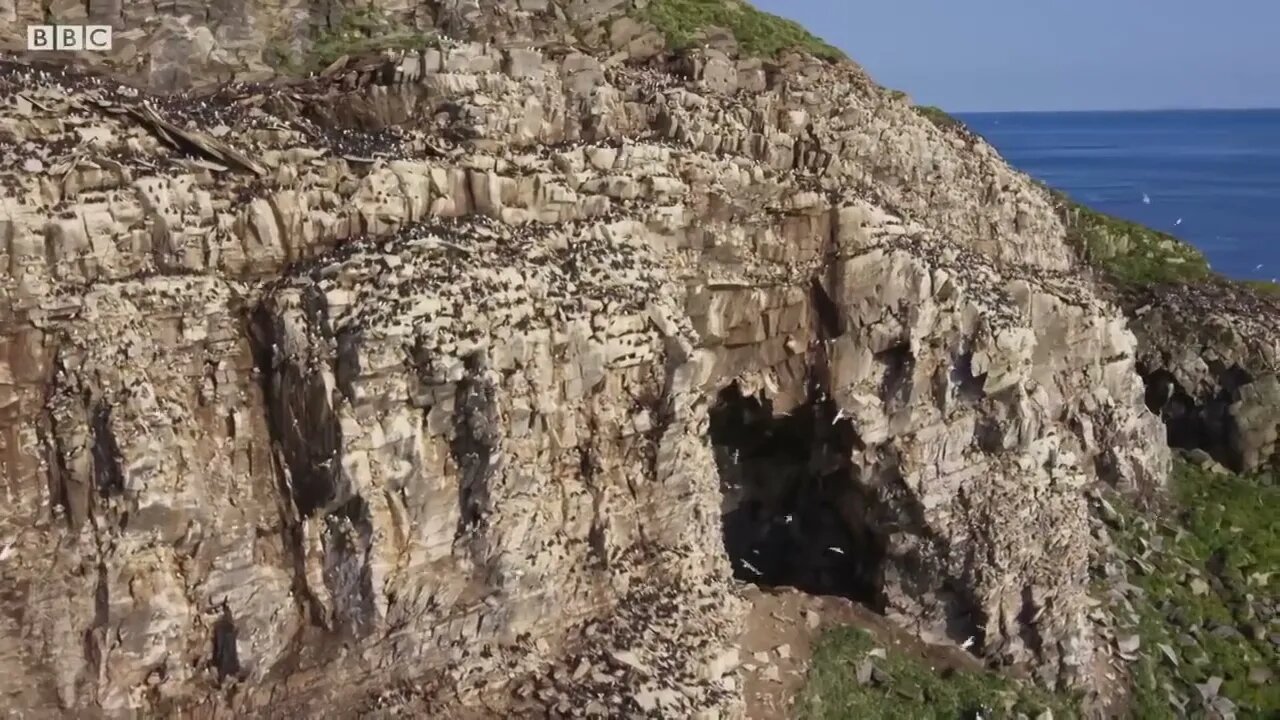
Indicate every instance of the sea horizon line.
{"type": "Point", "coordinates": [1116, 111]}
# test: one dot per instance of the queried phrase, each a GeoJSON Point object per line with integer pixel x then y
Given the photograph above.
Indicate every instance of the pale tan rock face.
{"type": "Point", "coordinates": [412, 377]}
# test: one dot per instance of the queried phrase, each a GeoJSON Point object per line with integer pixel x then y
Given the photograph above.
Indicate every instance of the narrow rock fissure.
{"type": "Point", "coordinates": [474, 443]}
{"type": "Point", "coordinates": [106, 454]}
{"type": "Point", "coordinates": [348, 539]}
{"type": "Point", "coordinates": [261, 334]}
{"type": "Point", "coordinates": [226, 654]}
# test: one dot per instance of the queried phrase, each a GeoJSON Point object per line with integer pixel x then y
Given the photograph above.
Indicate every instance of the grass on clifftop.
{"type": "Point", "coordinates": [358, 31]}
{"type": "Point", "coordinates": [905, 688]}
{"type": "Point", "coordinates": [941, 118]}
{"type": "Point", "coordinates": [1129, 253]}
{"type": "Point", "coordinates": [759, 33]}
{"type": "Point", "coordinates": [1207, 597]}
{"type": "Point", "coordinates": [1263, 287]}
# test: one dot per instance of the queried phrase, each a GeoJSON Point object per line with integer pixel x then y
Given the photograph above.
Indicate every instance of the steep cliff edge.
{"type": "Point", "coordinates": [1209, 347]}
{"type": "Point", "coordinates": [466, 378]}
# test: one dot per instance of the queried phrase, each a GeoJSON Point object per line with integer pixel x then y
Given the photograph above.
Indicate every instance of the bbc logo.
{"type": "Point", "coordinates": [68, 37]}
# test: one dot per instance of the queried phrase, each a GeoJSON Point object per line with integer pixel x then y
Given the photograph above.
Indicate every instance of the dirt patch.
{"type": "Point", "coordinates": [777, 644]}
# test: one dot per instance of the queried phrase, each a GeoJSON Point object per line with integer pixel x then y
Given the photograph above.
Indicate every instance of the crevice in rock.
{"type": "Point", "coordinates": [966, 624]}
{"type": "Point", "coordinates": [588, 468]}
{"type": "Point", "coordinates": [474, 443]}
{"type": "Point", "coordinates": [969, 387]}
{"type": "Point", "coordinates": [828, 312]}
{"type": "Point", "coordinates": [899, 365]}
{"type": "Point", "coordinates": [107, 475]}
{"type": "Point", "coordinates": [656, 404]}
{"type": "Point", "coordinates": [261, 333]}
{"type": "Point", "coordinates": [226, 656]}
{"type": "Point", "coordinates": [347, 361]}
{"type": "Point", "coordinates": [301, 422]}
{"type": "Point", "coordinates": [989, 434]}
{"type": "Point", "coordinates": [1028, 629]}
{"type": "Point", "coordinates": [94, 637]}
{"type": "Point", "coordinates": [348, 539]}
{"type": "Point", "coordinates": [73, 505]}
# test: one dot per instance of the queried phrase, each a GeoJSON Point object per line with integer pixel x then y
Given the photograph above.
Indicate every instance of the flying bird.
{"type": "Point", "coordinates": [1178, 221]}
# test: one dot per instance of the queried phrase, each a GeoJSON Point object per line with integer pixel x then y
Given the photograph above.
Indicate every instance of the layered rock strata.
{"type": "Point", "coordinates": [311, 390]}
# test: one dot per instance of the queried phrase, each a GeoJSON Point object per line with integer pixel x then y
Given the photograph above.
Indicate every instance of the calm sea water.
{"type": "Point", "coordinates": [1212, 177]}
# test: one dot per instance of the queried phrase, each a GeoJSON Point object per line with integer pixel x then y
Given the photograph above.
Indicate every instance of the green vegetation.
{"type": "Point", "coordinates": [1263, 287]}
{"type": "Point", "coordinates": [906, 688]}
{"type": "Point", "coordinates": [1194, 586]}
{"type": "Point", "coordinates": [759, 33]}
{"type": "Point", "coordinates": [362, 31]}
{"type": "Point", "coordinates": [942, 119]}
{"type": "Point", "coordinates": [1130, 253]}
{"type": "Point", "coordinates": [1207, 579]}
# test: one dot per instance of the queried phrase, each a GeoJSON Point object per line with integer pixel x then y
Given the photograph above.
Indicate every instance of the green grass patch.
{"type": "Point", "coordinates": [1208, 579]}
{"type": "Point", "coordinates": [906, 688]}
{"type": "Point", "coordinates": [1263, 287]}
{"type": "Point", "coordinates": [759, 34]}
{"type": "Point", "coordinates": [942, 119]}
{"type": "Point", "coordinates": [1130, 253]}
{"type": "Point", "coordinates": [362, 31]}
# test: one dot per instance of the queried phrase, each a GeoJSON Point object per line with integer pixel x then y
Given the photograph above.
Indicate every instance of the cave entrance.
{"type": "Point", "coordinates": [793, 512]}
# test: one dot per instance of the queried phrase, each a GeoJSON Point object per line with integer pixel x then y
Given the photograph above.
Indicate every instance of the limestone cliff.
{"type": "Point", "coordinates": [450, 379]}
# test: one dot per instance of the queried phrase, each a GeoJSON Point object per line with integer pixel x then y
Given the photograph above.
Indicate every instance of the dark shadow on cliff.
{"type": "Point", "coordinates": [1204, 423]}
{"type": "Point", "coordinates": [792, 506]}
{"type": "Point", "coordinates": [306, 439]}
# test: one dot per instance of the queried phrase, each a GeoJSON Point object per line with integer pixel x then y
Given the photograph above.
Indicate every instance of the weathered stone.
{"type": "Point", "coordinates": [429, 393]}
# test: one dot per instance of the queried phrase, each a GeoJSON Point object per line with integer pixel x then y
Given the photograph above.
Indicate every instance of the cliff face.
{"type": "Point", "coordinates": [1209, 347]}
{"type": "Point", "coordinates": [378, 389]}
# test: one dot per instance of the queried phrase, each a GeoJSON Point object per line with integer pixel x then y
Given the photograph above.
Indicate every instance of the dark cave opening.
{"type": "Point", "coordinates": [1204, 423]}
{"type": "Point", "coordinates": [793, 512]}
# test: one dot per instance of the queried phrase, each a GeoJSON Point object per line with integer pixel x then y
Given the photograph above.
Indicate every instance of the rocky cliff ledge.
{"type": "Point", "coordinates": [464, 379]}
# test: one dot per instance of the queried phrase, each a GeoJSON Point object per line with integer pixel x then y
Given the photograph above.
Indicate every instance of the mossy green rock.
{"type": "Point", "coordinates": [1207, 575]}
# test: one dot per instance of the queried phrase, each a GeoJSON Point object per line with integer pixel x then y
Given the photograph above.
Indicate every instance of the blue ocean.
{"type": "Point", "coordinates": [1211, 177]}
